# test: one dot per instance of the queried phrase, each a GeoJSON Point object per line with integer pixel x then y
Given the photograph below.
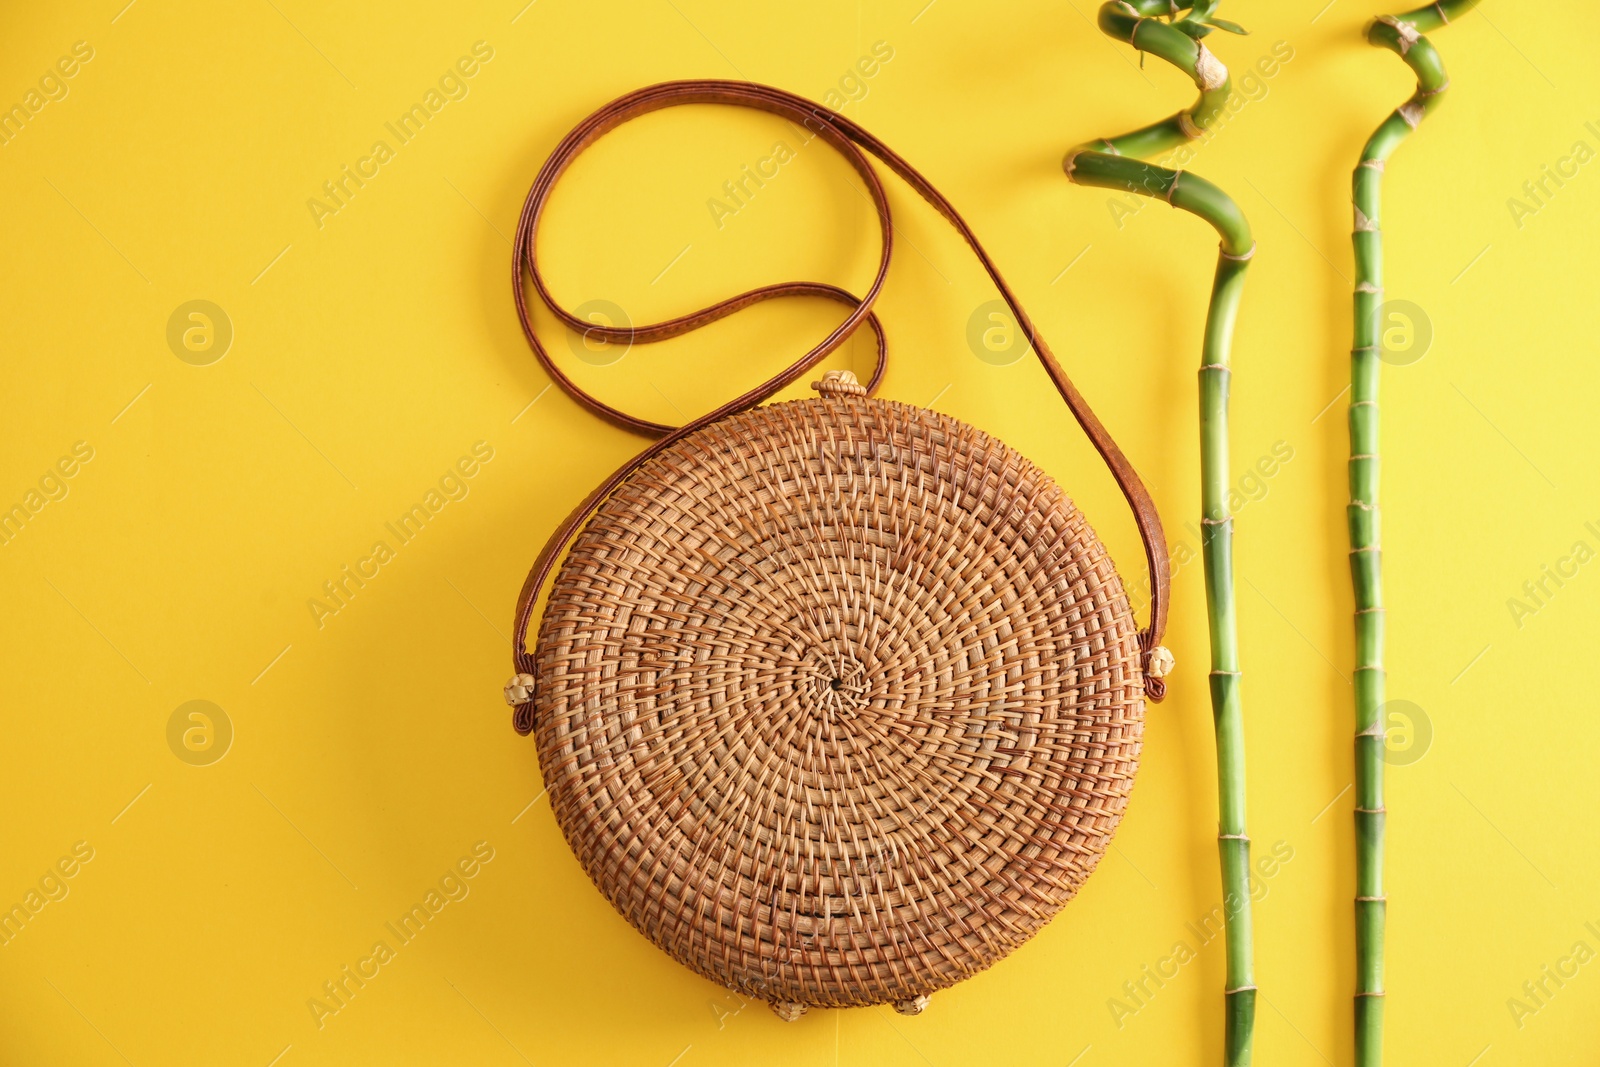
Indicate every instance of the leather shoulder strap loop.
{"type": "Point", "coordinates": [849, 139]}
{"type": "Point", "coordinates": [816, 120]}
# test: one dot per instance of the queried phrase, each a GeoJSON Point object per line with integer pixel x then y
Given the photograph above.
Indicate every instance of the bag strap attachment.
{"type": "Point", "coordinates": [849, 139]}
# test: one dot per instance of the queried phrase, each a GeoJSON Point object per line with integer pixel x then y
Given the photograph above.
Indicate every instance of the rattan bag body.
{"type": "Point", "coordinates": [837, 700]}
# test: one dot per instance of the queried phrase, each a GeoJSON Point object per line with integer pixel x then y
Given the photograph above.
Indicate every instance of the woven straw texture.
{"type": "Point", "coordinates": [839, 701]}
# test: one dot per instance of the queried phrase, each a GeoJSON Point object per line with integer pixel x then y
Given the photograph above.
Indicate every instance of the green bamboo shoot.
{"type": "Point", "coordinates": [1401, 34]}
{"type": "Point", "coordinates": [1107, 164]}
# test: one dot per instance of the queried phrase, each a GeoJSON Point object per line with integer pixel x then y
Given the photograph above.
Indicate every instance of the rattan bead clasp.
{"type": "Point", "coordinates": [839, 383]}
{"type": "Point", "coordinates": [912, 1005]}
{"type": "Point", "coordinates": [519, 690]}
{"type": "Point", "coordinates": [790, 1010]}
{"type": "Point", "coordinates": [1162, 662]}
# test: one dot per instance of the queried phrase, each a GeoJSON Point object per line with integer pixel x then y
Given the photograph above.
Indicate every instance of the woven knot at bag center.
{"type": "Point", "coordinates": [839, 700]}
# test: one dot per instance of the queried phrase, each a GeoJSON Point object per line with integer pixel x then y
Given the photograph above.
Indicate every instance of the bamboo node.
{"type": "Point", "coordinates": [1247, 254]}
{"type": "Point", "coordinates": [1365, 403]}
{"type": "Point", "coordinates": [1405, 31]}
{"type": "Point", "coordinates": [1372, 900]}
{"type": "Point", "coordinates": [520, 689]}
{"type": "Point", "coordinates": [1372, 164]}
{"type": "Point", "coordinates": [1217, 366]}
{"type": "Point", "coordinates": [1444, 16]}
{"type": "Point", "coordinates": [1209, 73]}
{"type": "Point", "coordinates": [1372, 811]}
{"type": "Point", "coordinates": [1368, 287]}
{"type": "Point", "coordinates": [1368, 667]}
{"type": "Point", "coordinates": [1186, 126]}
{"type": "Point", "coordinates": [1226, 674]}
{"type": "Point", "coordinates": [1215, 522]}
{"type": "Point", "coordinates": [1173, 188]}
{"type": "Point", "coordinates": [1411, 113]}
{"type": "Point", "coordinates": [1233, 837]}
{"type": "Point", "coordinates": [1138, 24]}
{"type": "Point", "coordinates": [1375, 730]}
{"type": "Point", "coordinates": [1369, 993]}
{"type": "Point", "coordinates": [1239, 989]}
{"type": "Point", "coordinates": [1364, 224]}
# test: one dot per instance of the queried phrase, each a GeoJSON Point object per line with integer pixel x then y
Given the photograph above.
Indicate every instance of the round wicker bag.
{"type": "Point", "coordinates": [837, 700]}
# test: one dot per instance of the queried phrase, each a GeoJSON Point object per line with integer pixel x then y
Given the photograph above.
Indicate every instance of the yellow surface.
{"type": "Point", "coordinates": [373, 347]}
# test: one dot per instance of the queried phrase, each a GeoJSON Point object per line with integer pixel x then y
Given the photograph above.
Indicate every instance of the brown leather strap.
{"type": "Point", "coordinates": [849, 139]}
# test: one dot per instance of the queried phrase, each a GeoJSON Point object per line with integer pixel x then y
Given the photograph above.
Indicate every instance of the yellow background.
{"type": "Point", "coordinates": [371, 753]}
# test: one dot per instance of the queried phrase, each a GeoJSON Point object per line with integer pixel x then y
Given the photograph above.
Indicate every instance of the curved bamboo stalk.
{"type": "Point", "coordinates": [1105, 163]}
{"type": "Point", "coordinates": [1401, 34]}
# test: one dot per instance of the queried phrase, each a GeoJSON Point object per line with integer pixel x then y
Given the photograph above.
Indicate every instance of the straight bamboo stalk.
{"type": "Point", "coordinates": [1107, 164]}
{"type": "Point", "coordinates": [1401, 34]}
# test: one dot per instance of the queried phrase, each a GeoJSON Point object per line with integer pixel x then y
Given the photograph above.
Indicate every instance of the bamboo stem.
{"type": "Point", "coordinates": [1107, 164]}
{"type": "Point", "coordinates": [1402, 35]}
